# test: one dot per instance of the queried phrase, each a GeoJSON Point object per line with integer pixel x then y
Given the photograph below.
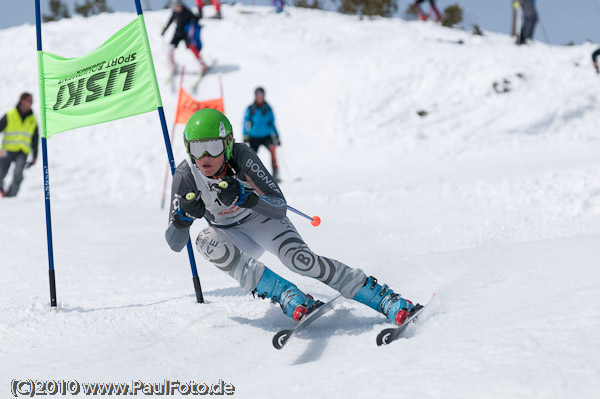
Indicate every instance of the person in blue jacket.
{"type": "Point", "coordinates": [259, 128]}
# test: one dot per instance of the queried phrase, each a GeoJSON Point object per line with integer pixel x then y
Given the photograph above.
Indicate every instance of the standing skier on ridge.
{"type": "Point", "coordinates": [422, 15]}
{"type": "Point", "coordinates": [216, 3]}
{"type": "Point", "coordinates": [186, 29]}
{"type": "Point", "coordinates": [227, 184]}
{"type": "Point", "coordinates": [530, 19]}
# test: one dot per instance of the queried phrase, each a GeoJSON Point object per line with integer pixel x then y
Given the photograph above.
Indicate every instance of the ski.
{"type": "Point", "coordinates": [171, 79]}
{"type": "Point", "coordinates": [283, 336]}
{"type": "Point", "coordinates": [389, 335]}
{"type": "Point", "coordinates": [197, 82]}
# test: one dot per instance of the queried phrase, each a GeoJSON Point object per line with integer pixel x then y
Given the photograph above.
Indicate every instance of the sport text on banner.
{"type": "Point", "coordinates": [112, 82]}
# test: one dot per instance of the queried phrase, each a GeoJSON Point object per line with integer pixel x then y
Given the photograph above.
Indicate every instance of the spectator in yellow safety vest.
{"type": "Point", "coordinates": [21, 138]}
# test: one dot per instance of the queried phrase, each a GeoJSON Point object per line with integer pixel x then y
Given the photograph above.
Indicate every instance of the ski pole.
{"type": "Point", "coordinates": [544, 31]}
{"type": "Point", "coordinates": [315, 220]}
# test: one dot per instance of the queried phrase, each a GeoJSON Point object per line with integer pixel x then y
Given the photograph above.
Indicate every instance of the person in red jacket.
{"type": "Point", "coordinates": [216, 3]}
{"type": "Point", "coordinates": [422, 15]}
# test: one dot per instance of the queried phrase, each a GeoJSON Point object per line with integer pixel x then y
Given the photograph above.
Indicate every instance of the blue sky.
{"type": "Point", "coordinates": [562, 21]}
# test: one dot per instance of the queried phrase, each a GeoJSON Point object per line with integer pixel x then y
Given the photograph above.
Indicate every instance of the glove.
{"type": "Point", "coordinates": [187, 209]}
{"type": "Point", "coordinates": [596, 67]}
{"type": "Point", "coordinates": [246, 138]}
{"type": "Point", "coordinates": [276, 141]}
{"type": "Point", "coordinates": [230, 192]}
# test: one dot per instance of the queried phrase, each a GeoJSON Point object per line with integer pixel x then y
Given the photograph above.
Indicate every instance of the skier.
{"type": "Point", "coordinates": [216, 3]}
{"type": "Point", "coordinates": [278, 4]}
{"type": "Point", "coordinates": [20, 138]}
{"type": "Point", "coordinates": [259, 128]}
{"type": "Point", "coordinates": [422, 15]}
{"type": "Point", "coordinates": [595, 55]}
{"type": "Point", "coordinates": [186, 29]}
{"type": "Point", "coordinates": [530, 18]}
{"type": "Point", "coordinates": [227, 184]}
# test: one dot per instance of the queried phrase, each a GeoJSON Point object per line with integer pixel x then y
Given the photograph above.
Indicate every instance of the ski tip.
{"type": "Point", "coordinates": [430, 299]}
{"type": "Point", "coordinates": [281, 338]}
{"type": "Point", "coordinates": [383, 338]}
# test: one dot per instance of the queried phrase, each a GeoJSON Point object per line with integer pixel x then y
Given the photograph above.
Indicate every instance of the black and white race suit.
{"type": "Point", "coordinates": [238, 236]}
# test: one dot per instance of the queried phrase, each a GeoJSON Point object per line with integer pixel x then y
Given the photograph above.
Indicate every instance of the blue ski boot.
{"type": "Point", "coordinates": [384, 300]}
{"type": "Point", "coordinates": [293, 302]}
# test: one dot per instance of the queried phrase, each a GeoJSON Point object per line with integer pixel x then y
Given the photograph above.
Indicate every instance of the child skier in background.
{"type": "Point", "coordinates": [186, 29]}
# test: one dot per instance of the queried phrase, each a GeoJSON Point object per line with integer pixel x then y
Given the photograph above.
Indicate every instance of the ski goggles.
{"type": "Point", "coordinates": [212, 148]}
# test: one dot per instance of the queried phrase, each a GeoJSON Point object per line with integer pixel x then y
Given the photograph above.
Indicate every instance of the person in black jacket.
{"type": "Point", "coordinates": [21, 137]}
{"type": "Point", "coordinates": [595, 55]}
{"type": "Point", "coordinates": [187, 30]}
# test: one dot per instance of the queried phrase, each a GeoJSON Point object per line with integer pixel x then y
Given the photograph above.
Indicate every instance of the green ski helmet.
{"type": "Point", "coordinates": [208, 131]}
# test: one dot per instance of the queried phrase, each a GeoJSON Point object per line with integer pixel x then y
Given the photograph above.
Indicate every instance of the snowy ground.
{"type": "Point", "coordinates": [491, 200]}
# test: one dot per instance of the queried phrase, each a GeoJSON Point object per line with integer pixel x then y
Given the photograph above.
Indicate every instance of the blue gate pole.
{"type": "Point", "coordinates": [163, 123]}
{"type": "Point", "coordinates": [38, 29]}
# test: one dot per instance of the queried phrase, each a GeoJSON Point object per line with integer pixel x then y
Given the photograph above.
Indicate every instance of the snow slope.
{"type": "Point", "coordinates": [491, 200]}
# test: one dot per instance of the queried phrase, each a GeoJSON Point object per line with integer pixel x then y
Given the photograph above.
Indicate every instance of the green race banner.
{"type": "Point", "coordinates": [115, 81]}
